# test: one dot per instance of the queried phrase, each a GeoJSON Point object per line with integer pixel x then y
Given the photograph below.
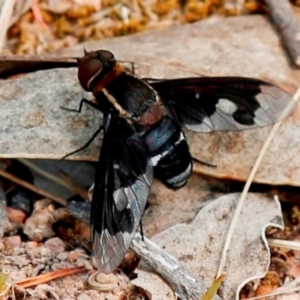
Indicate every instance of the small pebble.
{"type": "Point", "coordinates": [61, 265]}
{"type": "Point", "coordinates": [19, 251]}
{"type": "Point", "coordinates": [62, 256]}
{"type": "Point", "coordinates": [30, 245]}
{"type": "Point", "coordinates": [74, 255]}
{"type": "Point", "coordinates": [9, 243]}
{"type": "Point", "coordinates": [82, 252]}
{"type": "Point", "coordinates": [37, 270]}
{"type": "Point", "coordinates": [84, 296]}
{"type": "Point", "coordinates": [16, 215]}
{"type": "Point", "coordinates": [46, 252]}
{"type": "Point", "coordinates": [17, 275]}
{"type": "Point", "coordinates": [81, 262]}
{"type": "Point", "coordinates": [56, 245]}
{"type": "Point", "coordinates": [21, 261]}
{"type": "Point", "coordinates": [34, 252]}
{"type": "Point", "coordinates": [13, 241]}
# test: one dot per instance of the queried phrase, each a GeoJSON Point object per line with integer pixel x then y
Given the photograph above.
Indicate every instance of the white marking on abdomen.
{"type": "Point", "coordinates": [155, 159]}
{"type": "Point", "coordinates": [179, 180]}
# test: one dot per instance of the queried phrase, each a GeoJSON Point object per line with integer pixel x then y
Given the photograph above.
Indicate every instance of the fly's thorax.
{"type": "Point", "coordinates": [134, 99]}
{"type": "Point", "coordinates": [100, 81]}
{"type": "Point", "coordinates": [114, 88]}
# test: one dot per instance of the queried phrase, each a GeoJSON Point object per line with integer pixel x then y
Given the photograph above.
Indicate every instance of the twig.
{"type": "Point", "coordinates": [277, 292]}
{"type": "Point", "coordinates": [43, 173]}
{"type": "Point", "coordinates": [33, 188]}
{"type": "Point", "coordinates": [184, 284]}
{"type": "Point", "coordinates": [247, 186]}
{"type": "Point", "coordinates": [37, 13]}
{"type": "Point", "coordinates": [65, 182]}
{"type": "Point", "coordinates": [284, 244]}
{"type": "Point", "coordinates": [32, 281]}
{"type": "Point", "coordinates": [288, 26]}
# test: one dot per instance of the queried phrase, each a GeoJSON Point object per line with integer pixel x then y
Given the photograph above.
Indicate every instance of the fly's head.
{"type": "Point", "coordinates": [93, 69]}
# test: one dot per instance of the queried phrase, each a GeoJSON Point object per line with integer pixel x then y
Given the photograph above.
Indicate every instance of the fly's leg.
{"type": "Point", "coordinates": [86, 144]}
{"type": "Point", "coordinates": [94, 105]}
{"type": "Point", "coordinates": [142, 231]}
{"type": "Point", "coordinates": [204, 163]}
{"type": "Point", "coordinates": [132, 68]}
{"type": "Point", "coordinates": [87, 102]}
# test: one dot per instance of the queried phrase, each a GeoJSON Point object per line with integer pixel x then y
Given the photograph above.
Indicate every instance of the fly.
{"type": "Point", "coordinates": [143, 138]}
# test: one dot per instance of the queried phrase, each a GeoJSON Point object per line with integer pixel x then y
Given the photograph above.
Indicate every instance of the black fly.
{"type": "Point", "coordinates": [143, 137]}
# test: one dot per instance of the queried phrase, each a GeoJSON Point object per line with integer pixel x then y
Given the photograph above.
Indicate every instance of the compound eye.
{"type": "Point", "coordinates": [88, 69]}
{"type": "Point", "coordinates": [106, 54]}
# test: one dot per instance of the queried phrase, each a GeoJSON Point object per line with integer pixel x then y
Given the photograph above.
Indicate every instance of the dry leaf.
{"type": "Point", "coordinates": [34, 126]}
{"type": "Point", "coordinates": [156, 286]}
{"type": "Point", "coordinates": [198, 246]}
{"type": "Point", "coordinates": [168, 207]}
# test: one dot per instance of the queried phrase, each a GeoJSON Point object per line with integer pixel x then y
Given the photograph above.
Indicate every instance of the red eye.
{"type": "Point", "coordinates": [106, 54]}
{"type": "Point", "coordinates": [87, 70]}
{"type": "Point", "coordinates": [93, 66]}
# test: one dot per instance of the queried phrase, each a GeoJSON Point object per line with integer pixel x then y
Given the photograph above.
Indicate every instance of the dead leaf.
{"type": "Point", "coordinates": [32, 118]}
{"type": "Point", "coordinates": [169, 207]}
{"type": "Point", "coordinates": [198, 246]}
{"type": "Point", "coordinates": [154, 284]}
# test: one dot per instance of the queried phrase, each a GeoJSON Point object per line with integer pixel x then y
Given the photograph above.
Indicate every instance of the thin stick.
{"type": "Point", "coordinates": [37, 13]}
{"type": "Point", "coordinates": [43, 278]}
{"type": "Point", "coordinates": [284, 244]}
{"type": "Point", "coordinates": [288, 26]}
{"type": "Point", "coordinates": [247, 186]}
{"type": "Point", "coordinates": [65, 182]}
{"type": "Point", "coordinates": [43, 173]}
{"type": "Point", "coordinates": [181, 281]}
{"type": "Point", "coordinates": [33, 188]}
{"type": "Point", "coordinates": [277, 292]}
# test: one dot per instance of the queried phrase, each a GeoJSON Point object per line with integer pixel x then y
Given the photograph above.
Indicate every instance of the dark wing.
{"type": "Point", "coordinates": [223, 103]}
{"type": "Point", "coordinates": [17, 64]}
{"type": "Point", "coordinates": [123, 179]}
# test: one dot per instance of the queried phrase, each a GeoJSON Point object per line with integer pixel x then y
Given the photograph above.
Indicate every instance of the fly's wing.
{"type": "Point", "coordinates": [123, 179]}
{"type": "Point", "coordinates": [223, 103]}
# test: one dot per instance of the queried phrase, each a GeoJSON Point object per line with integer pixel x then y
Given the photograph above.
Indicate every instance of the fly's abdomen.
{"type": "Point", "coordinates": [175, 166]}
{"type": "Point", "coordinates": [169, 153]}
